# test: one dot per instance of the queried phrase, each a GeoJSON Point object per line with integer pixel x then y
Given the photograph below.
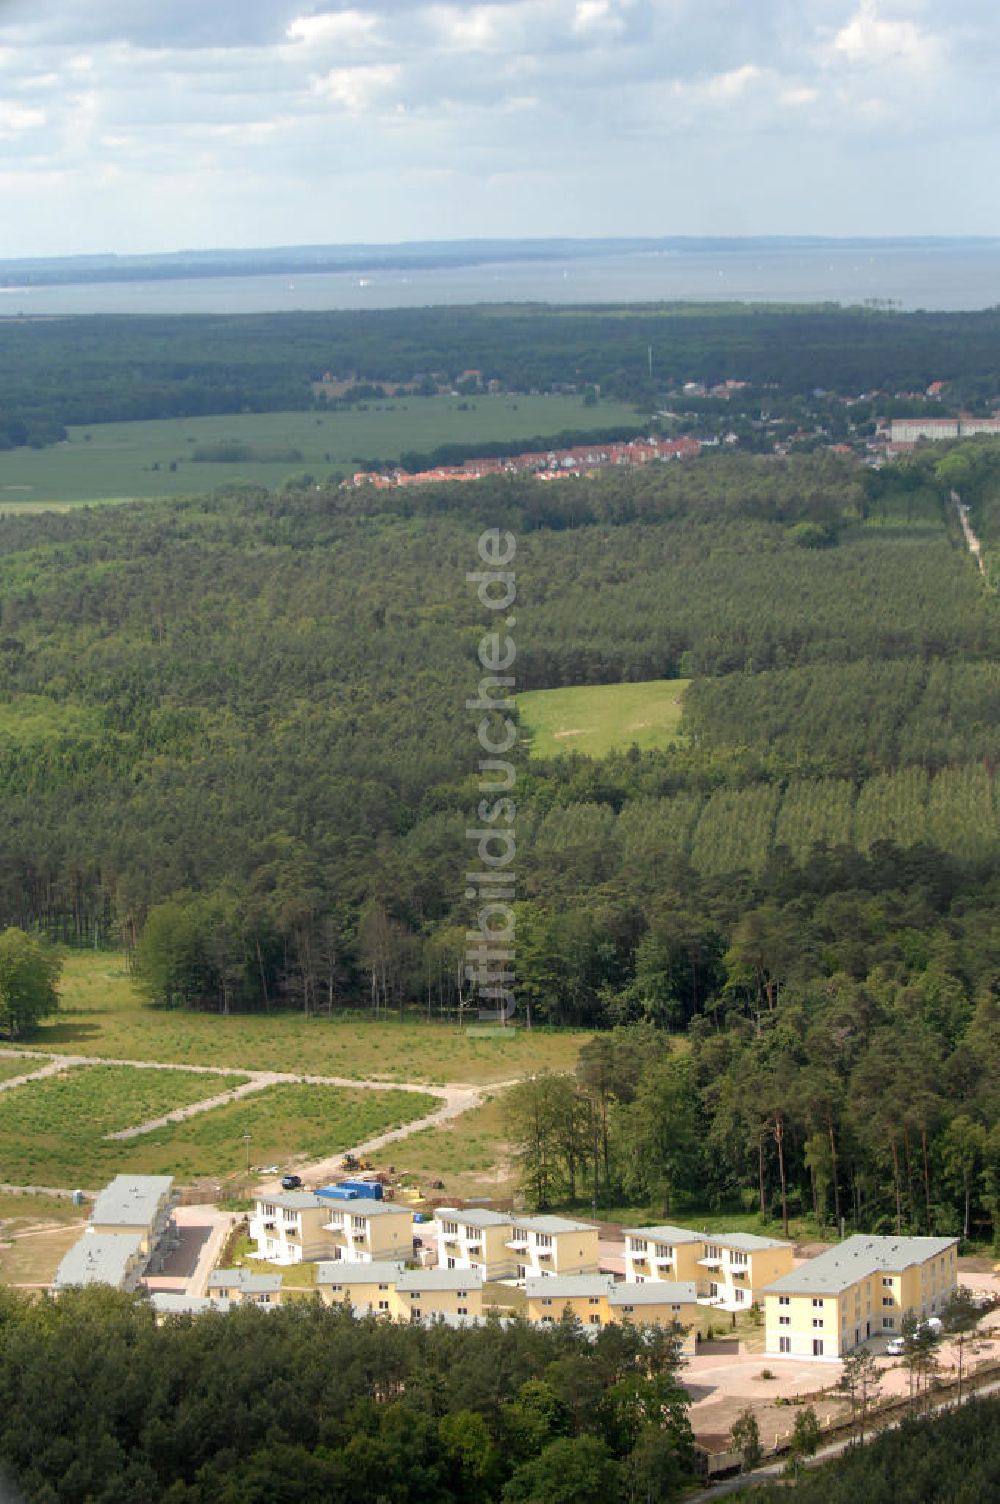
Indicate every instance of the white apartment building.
{"type": "Point", "coordinates": [291, 1227]}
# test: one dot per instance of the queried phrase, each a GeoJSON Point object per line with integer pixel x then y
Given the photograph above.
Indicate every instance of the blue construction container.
{"type": "Point", "coordinates": [338, 1192]}
{"type": "Point", "coordinates": [367, 1190]}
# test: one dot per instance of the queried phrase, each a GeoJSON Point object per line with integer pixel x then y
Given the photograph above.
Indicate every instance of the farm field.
{"type": "Point", "coordinates": [104, 1015]}
{"type": "Point", "coordinates": [122, 461]}
{"type": "Point", "coordinates": [595, 718]}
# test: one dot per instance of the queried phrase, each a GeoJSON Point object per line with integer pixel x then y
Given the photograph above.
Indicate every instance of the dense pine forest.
{"type": "Point", "coordinates": [304, 1403]}
{"type": "Point", "coordinates": [234, 738]}
{"type": "Point", "coordinates": [105, 369]}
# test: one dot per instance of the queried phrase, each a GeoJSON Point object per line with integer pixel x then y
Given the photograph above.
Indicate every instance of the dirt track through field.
{"type": "Point", "coordinates": [455, 1099]}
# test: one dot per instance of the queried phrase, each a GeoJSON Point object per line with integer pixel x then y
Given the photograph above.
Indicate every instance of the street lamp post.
{"type": "Point", "coordinates": [247, 1136]}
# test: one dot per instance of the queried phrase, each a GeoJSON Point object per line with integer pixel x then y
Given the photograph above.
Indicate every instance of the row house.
{"type": "Point", "coordinates": [237, 1287]}
{"type": "Point", "coordinates": [391, 1290]}
{"type": "Point", "coordinates": [297, 1226]}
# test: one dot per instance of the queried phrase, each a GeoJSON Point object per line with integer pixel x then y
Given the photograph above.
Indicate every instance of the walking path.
{"type": "Point", "coordinates": [974, 545]}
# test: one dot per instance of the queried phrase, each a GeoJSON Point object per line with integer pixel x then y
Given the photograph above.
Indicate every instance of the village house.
{"type": "Point", "coordinates": [859, 1289]}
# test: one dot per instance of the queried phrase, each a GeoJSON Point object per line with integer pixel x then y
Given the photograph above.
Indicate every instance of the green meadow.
{"type": "Point", "coordinates": [596, 718]}
{"type": "Point", "coordinates": [124, 461]}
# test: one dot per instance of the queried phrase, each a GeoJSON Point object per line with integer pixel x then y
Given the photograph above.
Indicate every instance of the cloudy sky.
{"type": "Point", "coordinates": [136, 125]}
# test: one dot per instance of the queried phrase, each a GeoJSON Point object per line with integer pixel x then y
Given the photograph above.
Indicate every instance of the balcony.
{"type": "Point", "coordinates": [711, 1261]}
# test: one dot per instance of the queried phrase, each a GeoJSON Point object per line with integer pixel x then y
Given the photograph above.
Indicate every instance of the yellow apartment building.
{"type": "Point", "coordinates": [367, 1231]}
{"type": "Point", "coordinates": [475, 1238]}
{"type": "Point", "coordinates": [731, 1270]}
{"type": "Point", "coordinates": [427, 1294]}
{"type": "Point", "coordinates": [597, 1299]}
{"type": "Point", "coordinates": [367, 1287]}
{"type": "Point", "coordinates": [736, 1267]}
{"type": "Point", "coordinates": [236, 1287]}
{"type": "Point", "coordinates": [548, 1246]}
{"type": "Point", "coordinates": [860, 1289]}
{"type": "Point", "coordinates": [666, 1252]}
{"type": "Point", "coordinates": [292, 1227]}
{"type": "Point", "coordinates": [142, 1204]}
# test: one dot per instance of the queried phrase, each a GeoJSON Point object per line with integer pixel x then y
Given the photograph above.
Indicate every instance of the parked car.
{"type": "Point", "coordinates": [932, 1324]}
{"type": "Point", "coordinates": [895, 1347]}
{"type": "Point", "coordinates": [291, 1182]}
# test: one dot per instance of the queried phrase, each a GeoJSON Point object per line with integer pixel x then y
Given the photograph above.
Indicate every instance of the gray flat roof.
{"type": "Point", "coordinates": [440, 1279]}
{"type": "Point", "coordinates": [98, 1258]}
{"type": "Point", "coordinates": [665, 1234]}
{"type": "Point", "coordinates": [362, 1207]}
{"type": "Point", "coordinates": [568, 1286]}
{"type": "Point", "coordinates": [552, 1224]}
{"type": "Point", "coordinates": [745, 1242]}
{"type": "Point", "coordinates": [353, 1272]}
{"type": "Point", "coordinates": [858, 1257]}
{"type": "Point", "coordinates": [294, 1201]}
{"type": "Point", "coordinates": [173, 1303]}
{"type": "Point", "coordinates": [243, 1279]}
{"type": "Point", "coordinates": [474, 1216]}
{"type": "Point", "coordinates": [131, 1200]}
{"type": "Point", "coordinates": [655, 1292]}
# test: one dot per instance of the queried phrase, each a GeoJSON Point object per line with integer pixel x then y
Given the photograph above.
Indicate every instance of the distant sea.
{"type": "Point", "coordinates": [913, 274]}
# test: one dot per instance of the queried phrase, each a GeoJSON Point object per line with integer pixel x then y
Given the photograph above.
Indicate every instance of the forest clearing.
{"type": "Point", "coordinates": [596, 718]}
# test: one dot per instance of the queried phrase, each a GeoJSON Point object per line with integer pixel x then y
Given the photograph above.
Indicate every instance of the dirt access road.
{"type": "Point", "coordinates": [455, 1099]}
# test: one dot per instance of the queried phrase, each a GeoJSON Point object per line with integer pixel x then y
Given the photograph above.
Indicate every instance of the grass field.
{"type": "Point", "coordinates": [127, 460]}
{"type": "Point", "coordinates": [595, 718]}
{"type": "Point", "coordinates": [287, 1124]}
{"type": "Point", "coordinates": [470, 1154]}
{"type": "Point", "coordinates": [16, 1066]}
{"type": "Point", "coordinates": [53, 1132]}
{"type": "Point", "coordinates": [105, 1016]}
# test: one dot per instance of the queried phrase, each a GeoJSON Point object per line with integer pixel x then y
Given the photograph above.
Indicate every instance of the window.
{"type": "Point", "coordinates": [336, 1289]}
{"type": "Point", "coordinates": [628, 1310]}
{"type": "Point", "coordinates": [594, 1300]}
{"type": "Point", "coordinates": [450, 1227]}
{"type": "Point", "coordinates": [817, 1302]}
{"type": "Point", "coordinates": [739, 1259]}
{"type": "Point", "coordinates": [784, 1344]}
{"type": "Point", "coordinates": [886, 1283]}
{"type": "Point", "coordinates": [463, 1294]}
{"type": "Point", "coordinates": [887, 1300]}
{"type": "Point", "coordinates": [546, 1301]}
{"type": "Point", "coordinates": [713, 1251]}
{"type": "Point", "coordinates": [888, 1322]}
{"type": "Point", "coordinates": [383, 1305]}
{"type": "Point", "coordinates": [784, 1321]}
{"type": "Point", "coordinates": [817, 1347]}
{"type": "Point", "coordinates": [638, 1245]}
{"type": "Point", "coordinates": [595, 1320]}
{"type": "Point", "coordinates": [414, 1294]}
{"type": "Point", "coordinates": [817, 1321]}
{"type": "Point", "coordinates": [784, 1300]}
{"type": "Point", "coordinates": [664, 1251]}
{"type": "Point", "coordinates": [415, 1313]}
{"type": "Point", "coordinates": [383, 1287]}
{"type": "Point", "coordinates": [675, 1309]}
{"type": "Point", "coordinates": [451, 1263]}
{"type": "Point", "coordinates": [544, 1240]}
{"type": "Point", "coordinates": [463, 1310]}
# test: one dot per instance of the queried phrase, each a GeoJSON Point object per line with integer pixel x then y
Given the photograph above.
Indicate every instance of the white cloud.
{"type": "Point", "coordinates": [597, 15]}
{"type": "Point", "coordinates": [15, 118]}
{"type": "Point", "coordinates": [356, 90]}
{"type": "Point", "coordinates": [798, 95]}
{"type": "Point", "coordinates": [343, 28]}
{"type": "Point", "coordinates": [869, 39]}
